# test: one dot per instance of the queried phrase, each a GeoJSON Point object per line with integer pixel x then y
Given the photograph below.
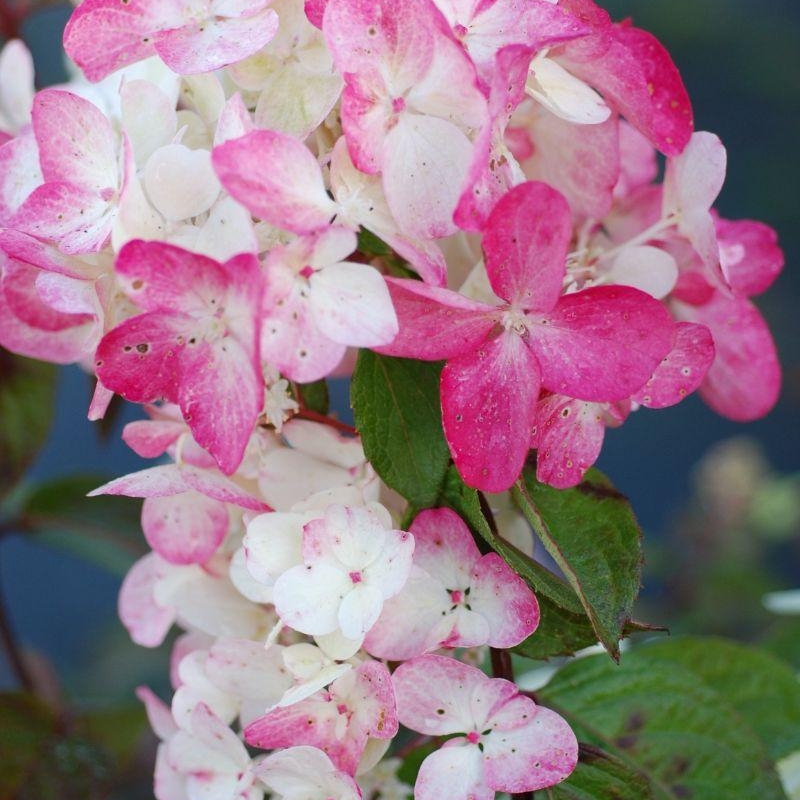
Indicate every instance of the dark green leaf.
{"type": "Point", "coordinates": [601, 776]}
{"type": "Point", "coordinates": [105, 530]}
{"type": "Point", "coordinates": [370, 245]}
{"type": "Point", "coordinates": [119, 729]}
{"type": "Point", "coordinates": [762, 688]}
{"type": "Point", "coordinates": [397, 413]}
{"type": "Point", "coordinates": [27, 395]}
{"type": "Point", "coordinates": [26, 726]}
{"type": "Point", "coordinates": [315, 396]}
{"type": "Point", "coordinates": [591, 533]}
{"type": "Point", "coordinates": [782, 639]}
{"type": "Point", "coordinates": [662, 721]}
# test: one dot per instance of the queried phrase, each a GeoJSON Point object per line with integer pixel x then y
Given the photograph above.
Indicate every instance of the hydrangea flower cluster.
{"type": "Point", "coordinates": [194, 227]}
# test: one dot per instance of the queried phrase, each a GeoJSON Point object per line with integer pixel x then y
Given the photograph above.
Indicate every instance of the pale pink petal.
{"type": "Point", "coordinates": [306, 772]}
{"type": "Point", "coordinates": [499, 595]}
{"type": "Point", "coordinates": [682, 370]}
{"type": "Point", "coordinates": [234, 121]}
{"type": "Point", "coordinates": [580, 161]}
{"type": "Point", "coordinates": [359, 610]}
{"type": "Point", "coordinates": [247, 669]}
{"type": "Point", "coordinates": [277, 178]}
{"type": "Point", "coordinates": [158, 713]}
{"type": "Point", "coordinates": [351, 305]}
{"type": "Point", "coordinates": [148, 117]}
{"type": "Point", "coordinates": [744, 381]}
{"type": "Point", "coordinates": [569, 439]}
{"type": "Point", "coordinates": [750, 255]}
{"type": "Point", "coordinates": [444, 547]}
{"type": "Point", "coordinates": [273, 545]}
{"type": "Point", "coordinates": [436, 323]}
{"type": "Point", "coordinates": [638, 163]}
{"type": "Point", "coordinates": [433, 694]}
{"type": "Point", "coordinates": [525, 243]}
{"type": "Point", "coordinates": [409, 621]}
{"type": "Point", "coordinates": [146, 621]}
{"type": "Point", "coordinates": [307, 598]}
{"type": "Point", "coordinates": [647, 268]}
{"type": "Point", "coordinates": [185, 528]}
{"type": "Point", "coordinates": [602, 343]}
{"type": "Point", "coordinates": [488, 410]}
{"type": "Point", "coordinates": [528, 749]}
{"type": "Point", "coordinates": [452, 773]}
{"type": "Point", "coordinates": [20, 173]}
{"type": "Point", "coordinates": [424, 169]}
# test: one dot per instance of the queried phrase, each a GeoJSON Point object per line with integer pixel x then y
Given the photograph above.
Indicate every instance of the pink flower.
{"type": "Point", "coordinates": [455, 597]}
{"type": "Point", "coordinates": [600, 344]}
{"type": "Point", "coordinates": [507, 742]}
{"type": "Point", "coordinates": [196, 344]}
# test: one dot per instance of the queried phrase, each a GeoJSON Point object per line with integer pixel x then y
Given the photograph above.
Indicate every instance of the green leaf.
{"type": "Point", "coordinates": [27, 396]}
{"type": "Point", "coordinates": [666, 724]}
{"type": "Point", "coordinates": [761, 687]}
{"type": "Point", "coordinates": [591, 533]}
{"type": "Point", "coordinates": [315, 396]}
{"type": "Point", "coordinates": [397, 413]}
{"type": "Point", "coordinates": [371, 245]}
{"type": "Point", "coordinates": [104, 530]}
{"type": "Point", "coordinates": [601, 776]}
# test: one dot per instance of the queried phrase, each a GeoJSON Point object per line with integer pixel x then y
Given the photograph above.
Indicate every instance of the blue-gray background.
{"type": "Point", "coordinates": [741, 64]}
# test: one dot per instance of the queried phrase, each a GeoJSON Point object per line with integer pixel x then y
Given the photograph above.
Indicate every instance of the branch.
{"type": "Point", "coordinates": [13, 652]}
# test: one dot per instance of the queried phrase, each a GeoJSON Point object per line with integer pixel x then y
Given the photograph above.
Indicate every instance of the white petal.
{"type": "Point", "coordinates": [647, 268]}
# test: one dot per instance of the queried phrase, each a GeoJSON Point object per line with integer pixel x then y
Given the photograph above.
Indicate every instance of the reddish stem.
{"type": "Point", "coordinates": [307, 413]}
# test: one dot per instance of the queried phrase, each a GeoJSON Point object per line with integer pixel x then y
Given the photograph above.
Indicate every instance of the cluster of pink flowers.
{"type": "Point", "coordinates": [187, 227]}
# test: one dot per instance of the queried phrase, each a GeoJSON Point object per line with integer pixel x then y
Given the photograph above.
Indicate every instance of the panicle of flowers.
{"type": "Point", "coordinates": [194, 227]}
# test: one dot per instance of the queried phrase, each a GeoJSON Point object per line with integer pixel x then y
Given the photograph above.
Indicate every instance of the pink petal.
{"type": "Point", "coordinates": [277, 178]}
{"type": "Point", "coordinates": [751, 257]}
{"type": "Point", "coordinates": [499, 595]}
{"type": "Point", "coordinates": [78, 219]}
{"type": "Point", "coordinates": [162, 277]}
{"type": "Point", "coordinates": [569, 439]}
{"type": "Point", "coordinates": [525, 242]}
{"type": "Point", "coordinates": [529, 748]}
{"type": "Point", "coordinates": [215, 42]}
{"type": "Point", "coordinates": [29, 250]}
{"type": "Point", "coordinates": [19, 173]}
{"type": "Point", "coordinates": [151, 438]}
{"type": "Point", "coordinates": [602, 343]}
{"type": "Point", "coordinates": [682, 370]}
{"type": "Point", "coordinates": [433, 694]}
{"type": "Point", "coordinates": [221, 395]}
{"type": "Point", "coordinates": [145, 620]}
{"type": "Point", "coordinates": [104, 35]}
{"type": "Point", "coordinates": [158, 713]}
{"type": "Point", "coordinates": [744, 381]}
{"type": "Point", "coordinates": [436, 323]}
{"type": "Point", "coordinates": [185, 528]}
{"type": "Point", "coordinates": [488, 410]}
{"type": "Point", "coordinates": [76, 141]}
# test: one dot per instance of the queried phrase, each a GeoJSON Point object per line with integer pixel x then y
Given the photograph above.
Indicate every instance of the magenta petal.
{"type": "Point", "coordinates": [139, 358]}
{"type": "Point", "coordinates": [744, 381]}
{"type": "Point", "coordinates": [569, 438]}
{"type": "Point", "coordinates": [186, 528]}
{"type": "Point", "coordinates": [488, 410]}
{"type": "Point", "coordinates": [526, 240]}
{"type": "Point", "coordinates": [444, 547]}
{"type": "Point", "coordinates": [602, 343]}
{"type": "Point", "coordinates": [682, 370]}
{"type": "Point", "coordinates": [436, 323]}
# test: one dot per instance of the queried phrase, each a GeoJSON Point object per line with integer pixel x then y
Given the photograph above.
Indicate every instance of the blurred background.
{"type": "Point", "coordinates": [719, 502]}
